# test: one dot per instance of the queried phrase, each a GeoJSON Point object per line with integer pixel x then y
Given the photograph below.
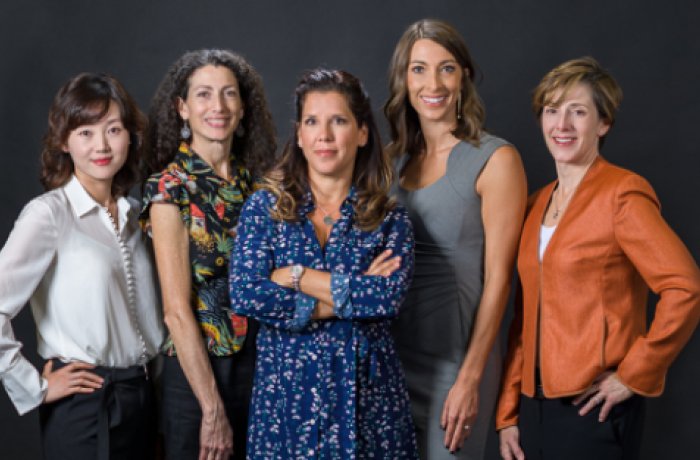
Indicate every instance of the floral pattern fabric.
{"type": "Point", "coordinates": [324, 389]}
{"type": "Point", "coordinates": [209, 206]}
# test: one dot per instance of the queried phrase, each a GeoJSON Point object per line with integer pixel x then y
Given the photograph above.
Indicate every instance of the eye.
{"type": "Point", "coordinates": [115, 130]}
{"type": "Point", "coordinates": [449, 68]}
{"type": "Point", "coordinates": [417, 68]}
{"type": "Point", "coordinates": [338, 120]}
{"type": "Point", "coordinates": [580, 112]}
{"type": "Point", "coordinates": [203, 94]}
{"type": "Point", "coordinates": [231, 93]}
{"type": "Point", "coordinates": [549, 110]}
{"type": "Point", "coordinates": [309, 121]}
{"type": "Point", "coordinates": [84, 133]}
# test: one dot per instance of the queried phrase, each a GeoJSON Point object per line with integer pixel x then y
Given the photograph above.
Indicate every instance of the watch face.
{"type": "Point", "coordinates": [297, 270]}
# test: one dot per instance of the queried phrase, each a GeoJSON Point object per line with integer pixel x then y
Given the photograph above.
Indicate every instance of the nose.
{"type": "Point", "coordinates": [434, 82]}
{"type": "Point", "coordinates": [326, 133]}
{"type": "Point", "coordinates": [563, 121]}
{"type": "Point", "coordinates": [218, 102]}
{"type": "Point", "coordinates": [103, 143]}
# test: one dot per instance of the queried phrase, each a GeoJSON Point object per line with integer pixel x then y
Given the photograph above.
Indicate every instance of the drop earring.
{"type": "Point", "coordinates": [185, 131]}
{"type": "Point", "coordinates": [459, 106]}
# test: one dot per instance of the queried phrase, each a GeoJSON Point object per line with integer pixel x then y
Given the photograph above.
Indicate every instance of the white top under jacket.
{"type": "Point", "coordinates": [92, 292]}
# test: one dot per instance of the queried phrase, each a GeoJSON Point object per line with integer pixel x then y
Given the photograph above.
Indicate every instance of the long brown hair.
{"type": "Point", "coordinates": [406, 135]}
{"type": "Point", "coordinates": [255, 148]}
{"type": "Point", "coordinates": [372, 174]}
{"type": "Point", "coordinates": [85, 100]}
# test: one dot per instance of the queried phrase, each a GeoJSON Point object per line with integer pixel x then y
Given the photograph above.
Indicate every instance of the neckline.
{"type": "Point", "coordinates": [187, 150]}
{"type": "Point", "coordinates": [436, 181]}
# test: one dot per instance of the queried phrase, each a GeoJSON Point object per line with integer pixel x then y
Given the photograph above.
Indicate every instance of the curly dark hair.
{"type": "Point", "coordinates": [85, 100]}
{"type": "Point", "coordinates": [256, 148]}
{"type": "Point", "coordinates": [406, 135]}
{"type": "Point", "coordinates": [372, 174]}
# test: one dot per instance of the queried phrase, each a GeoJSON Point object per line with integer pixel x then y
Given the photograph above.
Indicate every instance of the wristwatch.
{"type": "Point", "coordinates": [297, 271]}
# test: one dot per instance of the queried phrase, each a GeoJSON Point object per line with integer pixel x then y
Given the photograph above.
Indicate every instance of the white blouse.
{"type": "Point", "coordinates": [91, 289]}
{"type": "Point", "coordinates": [545, 235]}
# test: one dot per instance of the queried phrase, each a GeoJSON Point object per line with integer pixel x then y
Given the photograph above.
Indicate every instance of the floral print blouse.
{"type": "Point", "coordinates": [326, 389]}
{"type": "Point", "coordinates": [209, 206]}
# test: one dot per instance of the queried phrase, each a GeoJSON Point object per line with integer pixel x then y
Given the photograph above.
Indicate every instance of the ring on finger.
{"type": "Point", "coordinates": [467, 427]}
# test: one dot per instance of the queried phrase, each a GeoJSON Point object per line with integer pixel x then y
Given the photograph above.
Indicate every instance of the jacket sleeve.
{"type": "Point", "coordinates": [670, 271]}
{"type": "Point", "coordinates": [360, 296]}
{"type": "Point", "coordinates": [252, 261]}
{"type": "Point", "coordinates": [509, 398]}
{"type": "Point", "coordinates": [24, 260]}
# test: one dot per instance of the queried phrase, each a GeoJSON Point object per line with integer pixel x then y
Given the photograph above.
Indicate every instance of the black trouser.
{"type": "Point", "coordinates": [182, 415]}
{"type": "Point", "coordinates": [117, 421]}
{"type": "Point", "coordinates": [551, 429]}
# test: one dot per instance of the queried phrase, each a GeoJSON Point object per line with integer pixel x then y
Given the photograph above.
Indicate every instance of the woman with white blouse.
{"type": "Point", "coordinates": [76, 253]}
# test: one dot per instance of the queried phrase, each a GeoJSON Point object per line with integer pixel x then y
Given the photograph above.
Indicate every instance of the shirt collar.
{"type": "Point", "coordinates": [83, 203]}
{"type": "Point", "coordinates": [79, 198]}
{"type": "Point", "coordinates": [191, 162]}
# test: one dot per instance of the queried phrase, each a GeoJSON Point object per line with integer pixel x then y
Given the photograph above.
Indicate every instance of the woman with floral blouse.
{"type": "Point", "coordinates": [210, 129]}
{"type": "Point", "coordinates": [322, 259]}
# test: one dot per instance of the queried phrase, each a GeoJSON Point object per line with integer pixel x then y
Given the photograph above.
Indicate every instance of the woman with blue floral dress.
{"type": "Point", "coordinates": [323, 259]}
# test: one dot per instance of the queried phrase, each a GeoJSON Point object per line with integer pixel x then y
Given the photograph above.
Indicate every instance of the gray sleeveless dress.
{"type": "Point", "coordinates": [436, 320]}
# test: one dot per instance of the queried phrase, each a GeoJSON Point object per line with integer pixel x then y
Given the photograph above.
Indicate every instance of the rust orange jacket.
{"type": "Point", "coordinates": [584, 305]}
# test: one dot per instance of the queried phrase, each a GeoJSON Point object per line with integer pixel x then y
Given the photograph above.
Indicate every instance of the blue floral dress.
{"type": "Point", "coordinates": [328, 389]}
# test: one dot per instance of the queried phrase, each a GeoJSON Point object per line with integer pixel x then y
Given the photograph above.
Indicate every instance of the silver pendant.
{"type": "Point", "coordinates": [328, 220]}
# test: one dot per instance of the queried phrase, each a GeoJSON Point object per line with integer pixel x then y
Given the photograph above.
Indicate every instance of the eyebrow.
{"type": "Point", "coordinates": [205, 86]}
{"type": "Point", "coordinates": [446, 61]}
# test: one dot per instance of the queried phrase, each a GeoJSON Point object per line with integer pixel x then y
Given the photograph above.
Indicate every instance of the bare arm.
{"type": "Point", "coordinates": [503, 190]}
{"type": "Point", "coordinates": [171, 244]}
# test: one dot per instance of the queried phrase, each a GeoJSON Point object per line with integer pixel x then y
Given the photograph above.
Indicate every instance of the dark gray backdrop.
{"type": "Point", "coordinates": [652, 48]}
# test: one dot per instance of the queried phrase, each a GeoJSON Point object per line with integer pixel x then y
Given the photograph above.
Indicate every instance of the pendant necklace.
{"type": "Point", "coordinates": [327, 219]}
{"type": "Point", "coordinates": [559, 207]}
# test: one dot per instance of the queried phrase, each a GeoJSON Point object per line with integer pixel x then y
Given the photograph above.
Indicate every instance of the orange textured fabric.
{"type": "Point", "coordinates": [586, 301]}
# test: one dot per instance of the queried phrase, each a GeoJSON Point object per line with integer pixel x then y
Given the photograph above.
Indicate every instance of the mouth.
{"type": "Point", "coordinates": [559, 140]}
{"type": "Point", "coordinates": [102, 161]}
{"type": "Point", "coordinates": [218, 122]}
{"type": "Point", "coordinates": [325, 152]}
{"type": "Point", "coordinates": [433, 100]}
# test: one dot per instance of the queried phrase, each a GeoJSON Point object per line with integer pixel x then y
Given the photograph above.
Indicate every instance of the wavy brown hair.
{"type": "Point", "coordinates": [406, 135]}
{"type": "Point", "coordinates": [85, 100]}
{"type": "Point", "coordinates": [605, 91]}
{"type": "Point", "coordinates": [372, 173]}
{"type": "Point", "coordinates": [255, 148]}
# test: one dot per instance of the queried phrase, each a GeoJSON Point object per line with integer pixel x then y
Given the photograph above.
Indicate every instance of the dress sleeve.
{"type": "Point", "coordinates": [24, 260]}
{"type": "Point", "coordinates": [252, 261]}
{"type": "Point", "coordinates": [170, 186]}
{"type": "Point", "coordinates": [670, 271]}
{"type": "Point", "coordinates": [360, 296]}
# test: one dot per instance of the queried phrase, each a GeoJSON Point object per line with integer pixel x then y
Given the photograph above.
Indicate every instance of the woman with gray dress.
{"type": "Point", "coordinates": [465, 191]}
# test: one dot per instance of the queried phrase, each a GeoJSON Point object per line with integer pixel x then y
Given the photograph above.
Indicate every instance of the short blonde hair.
{"type": "Point", "coordinates": [606, 93]}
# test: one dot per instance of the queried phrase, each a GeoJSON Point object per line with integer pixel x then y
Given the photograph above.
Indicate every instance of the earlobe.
{"type": "Point", "coordinates": [364, 136]}
{"type": "Point", "coordinates": [182, 109]}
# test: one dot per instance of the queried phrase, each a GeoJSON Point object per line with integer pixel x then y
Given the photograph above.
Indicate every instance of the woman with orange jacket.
{"type": "Point", "coordinates": [580, 354]}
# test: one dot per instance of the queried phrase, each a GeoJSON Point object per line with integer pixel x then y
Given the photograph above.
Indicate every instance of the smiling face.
{"type": "Point", "coordinates": [572, 128]}
{"type": "Point", "coordinates": [213, 106]}
{"type": "Point", "coordinates": [328, 135]}
{"type": "Point", "coordinates": [433, 82]}
{"type": "Point", "coordinates": [99, 150]}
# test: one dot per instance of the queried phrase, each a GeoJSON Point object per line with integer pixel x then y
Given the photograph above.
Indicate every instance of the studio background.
{"type": "Point", "coordinates": [652, 48]}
